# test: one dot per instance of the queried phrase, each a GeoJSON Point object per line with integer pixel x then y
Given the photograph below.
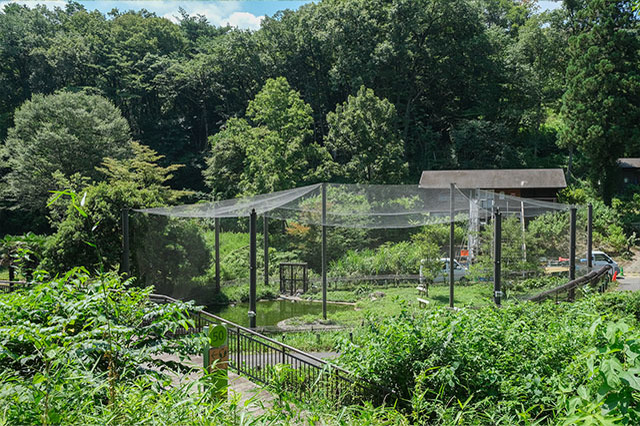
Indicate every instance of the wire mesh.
{"type": "Point", "coordinates": [378, 235]}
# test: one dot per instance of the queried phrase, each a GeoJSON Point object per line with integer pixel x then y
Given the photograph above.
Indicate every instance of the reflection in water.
{"type": "Point", "coordinates": [271, 312]}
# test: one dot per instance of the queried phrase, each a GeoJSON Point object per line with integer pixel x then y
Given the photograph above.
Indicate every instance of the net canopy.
{"type": "Point", "coordinates": [366, 206]}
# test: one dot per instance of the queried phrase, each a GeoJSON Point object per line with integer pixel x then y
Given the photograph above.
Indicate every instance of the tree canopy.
{"type": "Point", "coordinates": [67, 132]}
{"type": "Point", "coordinates": [364, 141]}
{"type": "Point", "coordinates": [455, 82]}
{"type": "Point", "coordinates": [271, 150]}
{"type": "Point", "coordinates": [601, 106]}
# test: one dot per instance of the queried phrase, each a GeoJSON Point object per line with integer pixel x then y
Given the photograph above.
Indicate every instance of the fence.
{"type": "Point", "coordinates": [8, 286]}
{"type": "Point", "coordinates": [293, 278]}
{"type": "Point", "coordinates": [270, 362]}
{"type": "Point", "coordinates": [598, 280]}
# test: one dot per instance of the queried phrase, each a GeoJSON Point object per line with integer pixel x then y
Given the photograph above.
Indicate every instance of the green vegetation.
{"type": "Point", "coordinates": [364, 140]}
{"type": "Point", "coordinates": [524, 364]}
{"type": "Point", "coordinates": [130, 110]}
{"type": "Point", "coordinates": [601, 99]}
{"type": "Point", "coordinates": [89, 350]}
{"type": "Point", "coordinates": [81, 349]}
{"type": "Point", "coordinates": [64, 133]}
{"type": "Point", "coordinates": [498, 85]}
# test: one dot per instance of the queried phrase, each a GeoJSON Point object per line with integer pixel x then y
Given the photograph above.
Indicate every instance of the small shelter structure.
{"type": "Point", "coordinates": [630, 168]}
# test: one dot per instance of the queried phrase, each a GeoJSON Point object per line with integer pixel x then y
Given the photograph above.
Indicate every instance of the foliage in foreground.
{"type": "Point", "coordinates": [87, 350]}
{"type": "Point", "coordinates": [520, 364]}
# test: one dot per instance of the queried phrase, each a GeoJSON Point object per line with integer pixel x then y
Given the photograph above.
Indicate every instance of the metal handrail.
{"type": "Point", "coordinates": [589, 278]}
{"type": "Point", "coordinates": [164, 298]}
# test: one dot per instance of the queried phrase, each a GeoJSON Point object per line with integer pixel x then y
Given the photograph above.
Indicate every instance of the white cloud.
{"type": "Point", "coordinates": [50, 4]}
{"type": "Point", "coordinates": [245, 20]}
{"type": "Point", "coordinates": [229, 14]}
{"type": "Point", "coordinates": [218, 13]}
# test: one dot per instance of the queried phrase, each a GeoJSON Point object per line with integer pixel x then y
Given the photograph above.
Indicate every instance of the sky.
{"type": "Point", "coordinates": [242, 14]}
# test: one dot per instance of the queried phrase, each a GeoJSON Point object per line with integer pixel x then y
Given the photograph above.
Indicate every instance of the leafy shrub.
{"type": "Point", "coordinates": [608, 393]}
{"type": "Point", "coordinates": [389, 259]}
{"type": "Point", "coordinates": [490, 366]}
{"type": "Point", "coordinates": [72, 346]}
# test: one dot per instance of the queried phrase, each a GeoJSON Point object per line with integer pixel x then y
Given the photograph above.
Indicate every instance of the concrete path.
{"type": "Point", "coordinates": [252, 397]}
{"type": "Point", "coordinates": [631, 279]}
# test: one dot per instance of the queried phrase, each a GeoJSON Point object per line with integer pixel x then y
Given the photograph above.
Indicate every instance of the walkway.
{"type": "Point", "coordinates": [253, 397]}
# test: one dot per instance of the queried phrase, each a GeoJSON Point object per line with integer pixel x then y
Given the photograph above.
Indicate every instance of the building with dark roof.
{"type": "Point", "coordinates": [630, 168]}
{"type": "Point", "coordinates": [541, 184]}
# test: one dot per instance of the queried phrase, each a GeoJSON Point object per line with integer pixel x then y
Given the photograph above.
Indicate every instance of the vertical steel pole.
{"type": "Point", "coordinates": [589, 237]}
{"type": "Point", "coordinates": [265, 229]}
{"type": "Point", "coordinates": [451, 242]}
{"type": "Point", "coordinates": [324, 251]}
{"type": "Point", "coordinates": [497, 257]}
{"type": "Point", "coordinates": [572, 247]}
{"type": "Point", "coordinates": [252, 269]}
{"type": "Point", "coordinates": [124, 266]}
{"type": "Point", "coordinates": [217, 255]}
{"type": "Point", "coordinates": [12, 275]}
{"type": "Point", "coordinates": [572, 250]}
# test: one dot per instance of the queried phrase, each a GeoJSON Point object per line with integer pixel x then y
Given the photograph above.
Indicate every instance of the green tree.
{"type": "Point", "coordinates": [280, 155]}
{"type": "Point", "coordinates": [225, 165]}
{"type": "Point", "coordinates": [22, 30]}
{"type": "Point", "coordinates": [66, 132]}
{"type": "Point", "coordinates": [601, 106]}
{"type": "Point", "coordinates": [271, 150]}
{"type": "Point", "coordinates": [136, 182]}
{"type": "Point", "coordinates": [483, 144]}
{"type": "Point", "coordinates": [364, 141]}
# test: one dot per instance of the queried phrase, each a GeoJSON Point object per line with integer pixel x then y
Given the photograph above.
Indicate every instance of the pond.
{"type": "Point", "coordinates": [271, 312]}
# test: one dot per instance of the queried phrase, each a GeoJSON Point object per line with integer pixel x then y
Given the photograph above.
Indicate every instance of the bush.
{"type": "Point", "coordinates": [489, 366]}
{"type": "Point", "coordinates": [72, 348]}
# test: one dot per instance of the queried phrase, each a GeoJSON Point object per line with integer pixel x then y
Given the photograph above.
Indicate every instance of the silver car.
{"type": "Point", "coordinates": [459, 271]}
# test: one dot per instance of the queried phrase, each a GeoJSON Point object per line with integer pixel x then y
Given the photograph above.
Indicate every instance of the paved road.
{"type": "Point", "coordinates": [631, 279]}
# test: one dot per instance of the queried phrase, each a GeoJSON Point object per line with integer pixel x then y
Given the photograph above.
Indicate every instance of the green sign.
{"type": "Point", "coordinates": [218, 336]}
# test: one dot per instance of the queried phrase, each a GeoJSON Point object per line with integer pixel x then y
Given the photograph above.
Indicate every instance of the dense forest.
{"type": "Point", "coordinates": [350, 91]}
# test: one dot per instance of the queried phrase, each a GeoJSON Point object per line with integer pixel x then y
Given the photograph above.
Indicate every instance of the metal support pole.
{"type": "Point", "coordinates": [497, 257]}
{"type": "Point", "coordinates": [589, 237]}
{"type": "Point", "coordinates": [252, 269]}
{"type": "Point", "coordinates": [324, 251]}
{"type": "Point", "coordinates": [124, 266]}
{"type": "Point", "coordinates": [265, 229]}
{"type": "Point", "coordinates": [12, 274]}
{"type": "Point", "coordinates": [572, 250]}
{"type": "Point", "coordinates": [217, 255]}
{"type": "Point", "coordinates": [451, 242]}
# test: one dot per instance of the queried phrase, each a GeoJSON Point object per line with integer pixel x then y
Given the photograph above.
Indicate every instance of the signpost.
{"type": "Point", "coordinates": [216, 358]}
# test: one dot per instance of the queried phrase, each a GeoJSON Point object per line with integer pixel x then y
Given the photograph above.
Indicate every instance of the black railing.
{"type": "Point", "coordinates": [270, 362]}
{"type": "Point", "coordinates": [594, 280]}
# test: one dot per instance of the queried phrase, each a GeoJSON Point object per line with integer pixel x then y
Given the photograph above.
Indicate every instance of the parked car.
{"type": "Point", "coordinates": [598, 260]}
{"type": "Point", "coordinates": [459, 271]}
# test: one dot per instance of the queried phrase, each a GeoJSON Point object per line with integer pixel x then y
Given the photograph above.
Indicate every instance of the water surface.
{"type": "Point", "coordinates": [271, 312]}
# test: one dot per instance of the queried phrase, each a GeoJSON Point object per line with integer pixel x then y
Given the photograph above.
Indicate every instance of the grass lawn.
{"type": "Point", "coordinates": [386, 301]}
{"type": "Point", "coordinates": [4, 274]}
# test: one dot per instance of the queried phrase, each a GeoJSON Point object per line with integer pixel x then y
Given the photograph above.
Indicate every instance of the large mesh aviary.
{"type": "Point", "coordinates": [377, 236]}
{"type": "Point", "coordinates": [366, 206]}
